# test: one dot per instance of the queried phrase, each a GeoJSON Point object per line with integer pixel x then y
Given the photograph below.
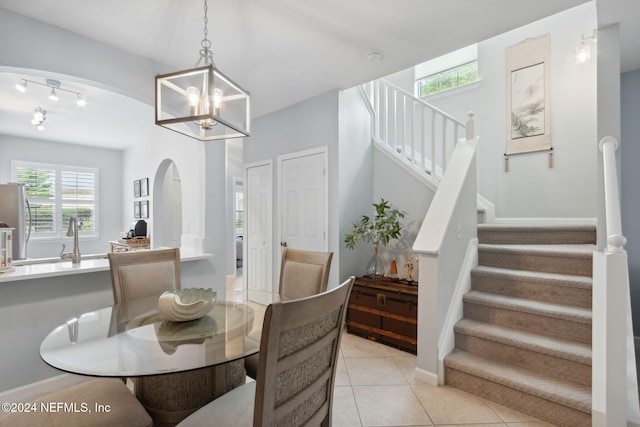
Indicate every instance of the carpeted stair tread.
{"type": "Point", "coordinates": [559, 259]}
{"type": "Point", "coordinates": [537, 234]}
{"type": "Point", "coordinates": [566, 393]}
{"type": "Point", "coordinates": [569, 251]}
{"type": "Point", "coordinates": [561, 348]}
{"type": "Point", "coordinates": [558, 311]}
{"type": "Point", "coordinates": [539, 286]}
{"type": "Point", "coordinates": [567, 280]}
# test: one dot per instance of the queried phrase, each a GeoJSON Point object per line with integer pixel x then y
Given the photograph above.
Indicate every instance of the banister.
{"type": "Point", "coordinates": [415, 133]}
{"type": "Point", "coordinates": [412, 96]}
{"type": "Point", "coordinates": [615, 240]}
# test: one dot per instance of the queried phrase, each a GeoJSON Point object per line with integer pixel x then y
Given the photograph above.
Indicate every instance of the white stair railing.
{"type": "Point", "coordinates": [419, 133]}
{"type": "Point", "coordinates": [614, 378]}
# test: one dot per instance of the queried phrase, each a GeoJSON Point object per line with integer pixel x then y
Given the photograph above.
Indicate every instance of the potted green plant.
{"type": "Point", "coordinates": [379, 229]}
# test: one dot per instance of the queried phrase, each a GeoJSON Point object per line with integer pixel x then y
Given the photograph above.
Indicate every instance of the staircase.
{"type": "Point", "coordinates": [525, 338]}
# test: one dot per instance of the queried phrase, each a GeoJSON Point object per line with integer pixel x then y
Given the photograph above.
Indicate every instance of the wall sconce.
{"type": "Point", "coordinates": [583, 51]}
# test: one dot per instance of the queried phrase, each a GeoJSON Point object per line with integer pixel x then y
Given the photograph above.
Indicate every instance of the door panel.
{"type": "Point", "coordinates": [303, 214]}
{"type": "Point", "coordinates": [259, 238]}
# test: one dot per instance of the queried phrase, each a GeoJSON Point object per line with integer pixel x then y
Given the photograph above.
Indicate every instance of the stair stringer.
{"type": "Point", "coordinates": [446, 343]}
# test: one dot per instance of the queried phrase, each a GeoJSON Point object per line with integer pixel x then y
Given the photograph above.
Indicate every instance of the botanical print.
{"type": "Point", "coordinates": [528, 81]}
{"type": "Point", "coordinates": [527, 101]}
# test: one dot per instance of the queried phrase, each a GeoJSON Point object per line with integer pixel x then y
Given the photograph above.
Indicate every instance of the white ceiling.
{"type": "Point", "coordinates": [282, 51]}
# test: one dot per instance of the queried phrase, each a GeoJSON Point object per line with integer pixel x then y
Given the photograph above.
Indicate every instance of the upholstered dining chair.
{"type": "Point", "coordinates": [296, 372]}
{"type": "Point", "coordinates": [141, 274]}
{"type": "Point", "coordinates": [147, 273]}
{"type": "Point", "coordinates": [302, 274]}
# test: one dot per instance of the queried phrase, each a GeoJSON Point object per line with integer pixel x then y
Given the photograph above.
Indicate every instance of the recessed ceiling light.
{"type": "Point", "coordinates": [374, 56]}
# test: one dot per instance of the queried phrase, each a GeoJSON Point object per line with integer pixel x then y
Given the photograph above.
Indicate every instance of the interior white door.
{"type": "Point", "coordinates": [303, 206]}
{"type": "Point", "coordinates": [258, 258]}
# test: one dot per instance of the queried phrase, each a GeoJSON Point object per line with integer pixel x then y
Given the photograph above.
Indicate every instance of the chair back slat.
{"type": "Point", "coordinates": [298, 356]}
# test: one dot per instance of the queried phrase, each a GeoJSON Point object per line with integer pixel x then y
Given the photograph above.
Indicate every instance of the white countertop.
{"type": "Point", "coordinates": [94, 263]}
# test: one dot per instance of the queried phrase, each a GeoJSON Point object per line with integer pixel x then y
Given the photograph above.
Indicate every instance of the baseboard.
{"type": "Point", "coordinates": [34, 390]}
{"type": "Point", "coordinates": [426, 376]}
{"type": "Point", "coordinates": [546, 221]}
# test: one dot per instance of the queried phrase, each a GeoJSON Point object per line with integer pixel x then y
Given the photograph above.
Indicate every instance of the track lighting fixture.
{"type": "Point", "coordinates": [39, 116]}
{"type": "Point", "coordinates": [55, 87]}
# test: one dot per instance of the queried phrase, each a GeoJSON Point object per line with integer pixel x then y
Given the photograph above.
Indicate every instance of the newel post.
{"type": "Point", "coordinates": [615, 240]}
{"type": "Point", "coordinates": [469, 126]}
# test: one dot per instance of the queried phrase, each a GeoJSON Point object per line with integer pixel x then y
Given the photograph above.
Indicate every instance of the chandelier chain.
{"type": "Point", "coordinates": [206, 44]}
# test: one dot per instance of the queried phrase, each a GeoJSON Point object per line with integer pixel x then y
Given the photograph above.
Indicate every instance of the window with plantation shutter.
{"type": "Point", "coordinates": [56, 193]}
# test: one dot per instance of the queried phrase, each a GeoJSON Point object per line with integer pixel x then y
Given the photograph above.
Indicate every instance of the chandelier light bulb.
{"type": "Point", "coordinates": [193, 99]}
{"type": "Point", "coordinates": [217, 101]}
{"type": "Point", "coordinates": [80, 101]}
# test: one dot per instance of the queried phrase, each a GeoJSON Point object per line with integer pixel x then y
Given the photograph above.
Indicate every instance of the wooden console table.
{"type": "Point", "coordinates": [385, 310]}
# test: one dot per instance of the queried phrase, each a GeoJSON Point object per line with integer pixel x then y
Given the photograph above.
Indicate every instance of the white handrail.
{"type": "Point", "coordinates": [615, 240]}
{"type": "Point", "coordinates": [420, 134]}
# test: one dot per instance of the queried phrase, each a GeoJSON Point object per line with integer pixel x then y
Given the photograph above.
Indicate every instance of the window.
{"type": "Point", "coordinates": [455, 69]}
{"type": "Point", "coordinates": [448, 79]}
{"type": "Point", "coordinates": [56, 193]}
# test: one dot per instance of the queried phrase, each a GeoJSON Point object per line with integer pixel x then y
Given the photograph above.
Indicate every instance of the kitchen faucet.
{"type": "Point", "coordinates": [72, 231]}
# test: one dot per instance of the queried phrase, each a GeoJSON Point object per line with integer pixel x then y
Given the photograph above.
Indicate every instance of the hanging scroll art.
{"type": "Point", "coordinates": [528, 97]}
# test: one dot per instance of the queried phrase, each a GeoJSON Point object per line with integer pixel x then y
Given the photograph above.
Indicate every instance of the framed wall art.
{"type": "Point", "coordinates": [528, 96]}
{"type": "Point", "coordinates": [136, 188]}
{"type": "Point", "coordinates": [136, 210]}
{"type": "Point", "coordinates": [144, 209]}
{"type": "Point", "coordinates": [144, 187]}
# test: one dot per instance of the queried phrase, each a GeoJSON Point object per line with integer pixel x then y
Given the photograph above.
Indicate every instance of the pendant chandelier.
{"type": "Point", "coordinates": [201, 102]}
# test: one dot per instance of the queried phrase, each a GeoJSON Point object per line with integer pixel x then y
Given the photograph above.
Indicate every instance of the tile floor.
{"type": "Point", "coordinates": [375, 386]}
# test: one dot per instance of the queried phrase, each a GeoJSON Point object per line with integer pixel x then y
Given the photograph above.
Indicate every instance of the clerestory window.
{"type": "Point", "coordinates": [450, 71]}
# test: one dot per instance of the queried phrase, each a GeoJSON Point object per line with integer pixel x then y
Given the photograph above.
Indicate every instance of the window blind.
{"type": "Point", "coordinates": [56, 193]}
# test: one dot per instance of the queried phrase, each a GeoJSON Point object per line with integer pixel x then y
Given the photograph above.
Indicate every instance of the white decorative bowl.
{"type": "Point", "coordinates": [186, 304]}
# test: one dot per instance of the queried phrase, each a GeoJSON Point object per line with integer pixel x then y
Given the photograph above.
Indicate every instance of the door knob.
{"type": "Point", "coordinates": [283, 244]}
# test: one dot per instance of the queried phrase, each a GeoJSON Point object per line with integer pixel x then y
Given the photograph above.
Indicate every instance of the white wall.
{"type": "Point", "coordinates": [109, 164]}
{"type": "Point", "coordinates": [530, 188]}
{"type": "Point", "coordinates": [630, 201]}
{"type": "Point", "coordinates": [355, 185]}
{"type": "Point", "coordinates": [310, 124]}
{"type": "Point", "coordinates": [406, 193]}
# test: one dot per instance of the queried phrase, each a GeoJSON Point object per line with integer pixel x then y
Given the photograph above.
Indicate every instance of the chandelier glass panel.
{"type": "Point", "coordinates": [202, 102]}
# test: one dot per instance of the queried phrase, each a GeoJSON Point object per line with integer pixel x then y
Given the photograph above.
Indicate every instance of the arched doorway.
{"type": "Point", "coordinates": [167, 206]}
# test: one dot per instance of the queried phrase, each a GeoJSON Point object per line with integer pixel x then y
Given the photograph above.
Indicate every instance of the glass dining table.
{"type": "Point", "coordinates": [133, 339]}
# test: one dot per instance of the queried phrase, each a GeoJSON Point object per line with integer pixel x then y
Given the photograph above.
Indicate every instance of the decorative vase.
{"type": "Point", "coordinates": [375, 268]}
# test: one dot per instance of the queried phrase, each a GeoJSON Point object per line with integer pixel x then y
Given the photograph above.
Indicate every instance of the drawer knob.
{"type": "Point", "coordinates": [382, 300]}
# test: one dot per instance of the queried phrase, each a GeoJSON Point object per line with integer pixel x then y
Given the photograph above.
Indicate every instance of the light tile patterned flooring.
{"type": "Point", "coordinates": [375, 386]}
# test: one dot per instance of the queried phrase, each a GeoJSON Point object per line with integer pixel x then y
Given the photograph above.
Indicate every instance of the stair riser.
{"type": "Point", "coordinates": [521, 236]}
{"type": "Point", "coordinates": [550, 326]}
{"type": "Point", "coordinates": [552, 292]}
{"type": "Point", "coordinates": [535, 406]}
{"type": "Point", "coordinates": [543, 364]}
{"type": "Point", "coordinates": [579, 266]}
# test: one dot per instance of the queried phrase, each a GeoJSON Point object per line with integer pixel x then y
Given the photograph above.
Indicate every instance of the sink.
{"type": "Point", "coordinates": [33, 261]}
